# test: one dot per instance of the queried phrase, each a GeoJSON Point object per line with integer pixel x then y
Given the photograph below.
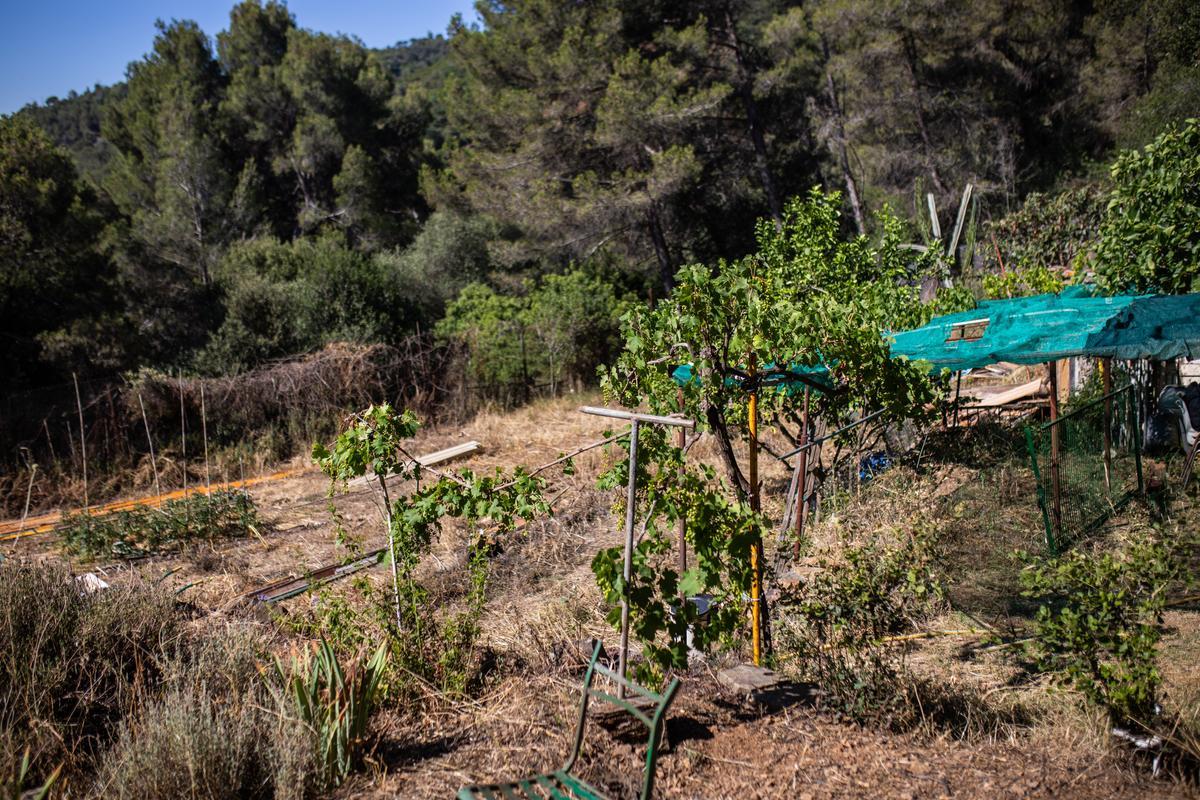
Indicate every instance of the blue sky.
{"type": "Point", "coordinates": [49, 47]}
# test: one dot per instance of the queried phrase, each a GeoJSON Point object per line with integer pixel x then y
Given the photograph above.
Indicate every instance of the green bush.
{"type": "Point", "coordinates": [836, 624]}
{"type": "Point", "coordinates": [449, 253]}
{"type": "Point", "coordinates": [1098, 625]}
{"type": "Point", "coordinates": [1048, 232]}
{"type": "Point", "coordinates": [557, 333]}
{"type": "Point", "coordinates": [1021, 282]}
{"type": "Point", "coordinates": [283, 298]}
{"type": "Point", "coordinates": [225, 513]}
{"type": "Point", "coordinates": [1149, 240]}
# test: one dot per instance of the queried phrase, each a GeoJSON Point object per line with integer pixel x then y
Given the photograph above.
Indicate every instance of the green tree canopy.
{"type": "Point", "coordinates": [1149, 240]}
{"type": "Point", "coordinates": [808, 297]}
{"type": "Point", "coordinates": [54, 283]}
{"type": "Point", "coordinates": [632, 128]}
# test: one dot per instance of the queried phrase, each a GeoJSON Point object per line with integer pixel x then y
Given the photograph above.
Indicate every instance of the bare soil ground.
{"type": "Point", "coordinates": [723, 746]}
{"type": "Point", "coordinates": [543, 601]}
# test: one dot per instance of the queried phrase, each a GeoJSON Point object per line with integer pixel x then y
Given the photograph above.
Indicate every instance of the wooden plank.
{"type": "Point", "coordinates": [447, 454]}
{"type": "Point", "coordinates": [433, 459]}
{"type": "Point", "coordinates": [958, 223]}
{"type": "Point", "coordinates": [993, 396]}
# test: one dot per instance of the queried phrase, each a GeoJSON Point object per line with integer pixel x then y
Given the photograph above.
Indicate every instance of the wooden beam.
{"type": "Point", "coordinates": [433, 459]}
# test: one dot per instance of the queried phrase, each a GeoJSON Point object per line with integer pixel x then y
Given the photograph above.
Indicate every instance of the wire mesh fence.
{"type": "Point", "coordinates": [1086, 465]}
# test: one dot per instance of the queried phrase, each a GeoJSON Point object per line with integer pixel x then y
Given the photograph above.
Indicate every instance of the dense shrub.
{"type": "Point", "coordinates": [286, 298]}
{"type": "Point", "coordinates": [1048, 232]}
{"type": "Point", "coordinates": [558, 332]}
{"type": "Point", "coordinates": [1021, 282]}
{"type": "Point", "coordinates": [73, 663]}
{"type": "Point", "coordinates": [1098, 625]}
{"type": "Point", "coordinates": [449, 253]}
{"type": "Point", "coordinates": [836, 624]}
{"type": "Point", "coordinates": [1150, 237]}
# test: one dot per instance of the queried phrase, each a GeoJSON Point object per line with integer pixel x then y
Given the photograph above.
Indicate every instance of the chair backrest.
{"type": "Point", "coordinates": [649, 714]}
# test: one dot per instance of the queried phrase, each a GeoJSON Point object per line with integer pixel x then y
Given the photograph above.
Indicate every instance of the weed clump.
{"type": "Point", "coordinates": [187, 744]}
{"type": "Point", "coordinates": [223, 514]}
{"type": "Point", "coordinates": [73, 662]}
{"type": "Point", "coordinates": [1099, 623]}
{"type": "Point", "coordinates": [117, 692]}
{"type": "Point", "coordinates": [837, 624]}
{"type": "Point", "coordinates": [334, 703]}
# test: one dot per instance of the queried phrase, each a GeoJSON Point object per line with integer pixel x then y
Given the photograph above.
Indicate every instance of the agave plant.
{"type": "Point", "coordinates": [335, 702]}
{"type": "Point", "coordinates": [15, 788]}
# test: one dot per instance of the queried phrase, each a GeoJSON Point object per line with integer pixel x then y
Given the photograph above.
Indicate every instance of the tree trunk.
{"type": "Point", "coordinates": [716, 423]}
{"type": "Point", "coordinates": [754, 126]}
{"type": "Point", "coordinates": [910, 62]}
{"type": "Point", "coordinates": [666, 268]}
{"type": "Point", "coordinates": [844, 158]}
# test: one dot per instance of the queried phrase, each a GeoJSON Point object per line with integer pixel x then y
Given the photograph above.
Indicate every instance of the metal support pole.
{"type": "Point", "coordinates": [1106, 376]}
{"type": "Point", "coordinates": [680, 441]}
{"type": "Point", "coordinates": [1055, 480]}
{"type": "Point", "coordinates": [627, 570]}
{"type": "Point", "coordinates": [183, 439]}
{"type": "Point", "coordinates": [82, 442]}
{"type": "Point", "coordinates": [150, 442]}
{"type": "Point", "coordinates": [204, 435]}
{"type": "Point", "coordinates": [957, 396]}
{"type": "Point", "coordinates": [630, 503]}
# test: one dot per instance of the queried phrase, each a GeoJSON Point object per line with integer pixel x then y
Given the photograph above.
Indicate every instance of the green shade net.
{"type": "Point", "coordinates": [1160, 328]}
{"type": "Point", "coordinates": [1047, 327]}
{"type": "Point", "coordinates": [791, 380]}
{"type": "Point", "coordinates": [1034, 330]}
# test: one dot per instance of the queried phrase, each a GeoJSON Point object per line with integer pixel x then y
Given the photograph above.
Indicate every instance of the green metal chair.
{"type": "Point", "coordinates": [562, 784]}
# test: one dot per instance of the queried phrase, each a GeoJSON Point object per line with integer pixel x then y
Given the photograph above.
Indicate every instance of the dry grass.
{"type": "Point", "coordinates": [1007, 732]}
{"type": "Point", "coordinates": [73, 663]}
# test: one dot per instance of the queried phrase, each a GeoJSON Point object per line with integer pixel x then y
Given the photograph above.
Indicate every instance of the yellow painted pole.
{"type": "Point", "coordinates": [756, 548]}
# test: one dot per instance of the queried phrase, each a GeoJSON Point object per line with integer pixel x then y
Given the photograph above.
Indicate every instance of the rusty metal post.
{"type": "Point", "coordinates": [1055, 480]}
{"type": "Point", "coordinates": [957, 397]}
{"type": "Point", "coordinates": [802, 491]}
